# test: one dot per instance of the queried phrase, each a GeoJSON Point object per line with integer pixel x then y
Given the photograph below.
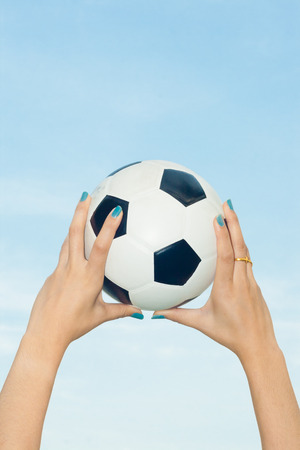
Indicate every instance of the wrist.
{"type": "Point", "coordinates": [263, 356]}
{"type": "Point", "coordinates": [42, 351]}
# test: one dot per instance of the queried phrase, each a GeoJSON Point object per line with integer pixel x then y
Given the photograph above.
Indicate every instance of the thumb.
{"type": "Point", "coordinates": [195, 318]}
{"type": "Point", "coordinates": [117, 311]}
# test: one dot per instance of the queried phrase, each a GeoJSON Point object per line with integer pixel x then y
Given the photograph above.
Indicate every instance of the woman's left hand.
{"type": "Point", "coordinates": [70, 303]}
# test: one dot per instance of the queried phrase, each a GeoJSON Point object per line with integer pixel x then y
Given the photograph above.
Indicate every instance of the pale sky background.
{"type": "Point", "coordinates": [89, 86]}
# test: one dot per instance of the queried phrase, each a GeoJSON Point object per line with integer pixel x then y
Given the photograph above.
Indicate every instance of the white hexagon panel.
{"type": "Point", "coordinates": [156, 219]}
{"type": "Point", "coordinates": [155, 296]}
{"type": "Point", "coordinates": [199, 230]}
{"type": "Point", "coordinates": [129, 264]}
{"type": "Point", "coordinates": [135, 180]}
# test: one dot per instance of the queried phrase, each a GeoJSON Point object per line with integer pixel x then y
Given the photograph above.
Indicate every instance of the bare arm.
{"type": "Point", "coordinates": [26, 393]}
{"type": "Point", "coordinates": [274, 401]}
{"type": "Point", "coordinates": [236, 316]}
{"type": "Point", "coordinates": [68, 306]}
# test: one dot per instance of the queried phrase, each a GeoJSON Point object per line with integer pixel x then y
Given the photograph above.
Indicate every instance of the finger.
{"type": "Point", "coordinates": [76, 230]}
{"type": "Point", "coordinates": [249, 268]}
{"type": "Point", "coordinates": [117, 311]}
{"type": "Point", "coordinates": [199, 318]}
{"type": "Point", "coordinates": [64, 253]}
{"type": "Point", "coordinates": [225, 255]}
{"type": "Point", "coordinates": [104, 240]}
{"type": "Point", "coordinates": [239, 247]}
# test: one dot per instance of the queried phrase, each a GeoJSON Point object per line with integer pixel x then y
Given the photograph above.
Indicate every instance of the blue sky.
{"type": "Point", "coordinates": [89, 86]}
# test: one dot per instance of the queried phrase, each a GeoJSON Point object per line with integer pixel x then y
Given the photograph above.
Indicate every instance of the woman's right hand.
{"type": "Point", "coordinates": [236, 314]}
{"type": "Point", "coordinates": [70, 303]}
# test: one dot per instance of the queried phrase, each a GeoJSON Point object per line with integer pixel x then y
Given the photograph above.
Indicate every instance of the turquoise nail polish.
{"type": "Point", "coordinates": [220, 220]}
{"type": "Point", "coordinates": [84, 196]}
{"type": "Point", "coordinates": [137, 316]}
{"type": "Point", "coordinates": [159, 316]}
{"type": "Point", "coordinates": [116, 212]}
{"type": "Point", "coordinates": [229, 203]}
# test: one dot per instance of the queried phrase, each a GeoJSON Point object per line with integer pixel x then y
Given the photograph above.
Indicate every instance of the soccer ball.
{"type": "Point", "coordinates": [164, 251]}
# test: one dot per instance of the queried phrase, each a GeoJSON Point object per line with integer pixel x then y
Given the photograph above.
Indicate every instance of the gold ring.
{"type": "Point", "coordinates": [246, 259]}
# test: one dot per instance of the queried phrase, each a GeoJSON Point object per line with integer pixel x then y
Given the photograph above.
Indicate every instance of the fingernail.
{"type": "Point", "coordinates": [137, 316]}
{"type": "Point", "coordinates": [229, 203]}
{"type": "Point", "coordinates": [159, 316]}
{"type": "Point", "coordinates": [84, 196]}
{"type": "Point", "coordinates": [220, 220]}
{"type": "Point", "coordinates": [116, 212]}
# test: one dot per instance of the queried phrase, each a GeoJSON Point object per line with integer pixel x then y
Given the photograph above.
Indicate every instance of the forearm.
{"type": "Point", "coordinates": [25, 395]}
{"type": "Point", "coordinates": [274, 401]}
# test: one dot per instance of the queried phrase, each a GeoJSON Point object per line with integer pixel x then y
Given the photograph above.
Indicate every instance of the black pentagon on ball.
{"type": "Point", "coordinates": [124, 167]}
{"type": "Point", "coordinates": [175, 264]}
{"type": "Point", "coordinates": [183, 186]}
{"type": "Point", "coordinates": [116, 291]}
{"type": "Point", "coordinates": [104, 208]}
